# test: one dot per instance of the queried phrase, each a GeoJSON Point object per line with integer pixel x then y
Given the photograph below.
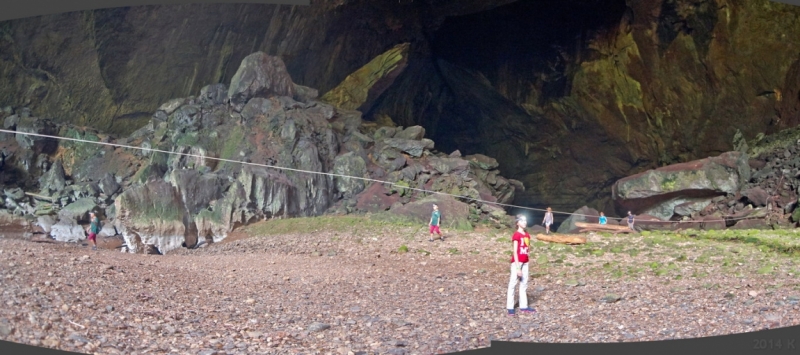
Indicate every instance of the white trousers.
{"type": "Point", "coordinates": [523, 287]}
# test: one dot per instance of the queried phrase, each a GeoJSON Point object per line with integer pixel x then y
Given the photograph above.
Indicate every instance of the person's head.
{"type": "Point", "coordinates": [92, 215]}
{"type": "Point", "coordinates": [522, 221]}
{"type": "Point", "coordinates": [549, 209]}
{"type": "Point", "coordinates": [601, 213]}
{"type": "Point", "coordinates": [435, 207]}
{"type": "Point", "coordinates": [629, 213]}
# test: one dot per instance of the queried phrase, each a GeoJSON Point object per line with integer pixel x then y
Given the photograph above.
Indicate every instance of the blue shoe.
{"type": "Point", "coordinates": [527, 310]}
{"type": "Point", "coordinates": [510, 312]}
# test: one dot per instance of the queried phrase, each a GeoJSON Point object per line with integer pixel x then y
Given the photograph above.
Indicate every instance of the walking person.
{"type": "Point", "coordinates": [521, 241]}
{"type": "Point", "coordinates": [94, 228]}
{"type": "Point", "coordinates": [436, 218]}
{"type": "Point", "coordinates": [548, 220]}
{"type": "Point", "coordinates": [602, 219]}
{"type": "Point", "coordinates": [630, 220]}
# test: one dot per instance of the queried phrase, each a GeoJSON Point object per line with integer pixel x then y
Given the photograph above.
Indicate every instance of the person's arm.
{"type": "Point", "coordinates": [514, 252]}
{"type": "Point", "coordinates": [517, 264]}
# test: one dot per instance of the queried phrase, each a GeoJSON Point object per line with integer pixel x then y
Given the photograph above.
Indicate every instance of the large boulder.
{"type": "Point", "coordinates": [68, 228]}
{"type": "Point", "coordinates": [452, 166]}
{"type": "Point", "coordinates": [413, 133]}
{"type": "Point", "coordinates": [584, 214]}
{"type": "Point", "coordinates": [349, 164]}
{"type": "Point", "coordinates": [37, 126]}
{"type": "Point", "coordinates": [483, 162]}
{"type": "Point", "coordinates": [151, 214]}
{"type": "Point", "coordinates": [678, 207]}
{"type": "Point", "coordinates": [454, 213]}
{"type": "Point", "coordinates": [650, 222]}
{"type": "Point", "coordinates": [259, 75]}
{"type": "Point", "coordinates": [54, 180]}
{"type": "Point", "coordinates": [679, 183]}
{"type": "Point", "coordinates": [376, 198]}
{"type": "Point", "coordinates": [214, 94]}
{"type": "Point", "coordinates": [388, 158]}
{"type": "Point", "coordinates": [757, 196]}
{"type": "Point", "coordinates": [750, 224]}
{"type": "Point", "coordinates": [412, 147]}
{"type": "Point", "coordinates": [363, 87]}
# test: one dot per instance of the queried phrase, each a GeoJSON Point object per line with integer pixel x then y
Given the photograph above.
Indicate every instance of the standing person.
{"type": "Point", "coordinates": [630, 220]}
{"type": "Point", "coordinates": [94, 228]}
{"type": "Point", "coordinates": [603, 219]}
{"type": "Point", "coordinates": [548, 220]}
{"type": "Point", "coordinates": [519, 268]}
{"type": "Point", "coordinates": [436, 217]}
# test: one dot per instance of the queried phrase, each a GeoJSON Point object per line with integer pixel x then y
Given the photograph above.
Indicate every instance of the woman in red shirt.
{"type": "Point", "coordinates": [519, 268]}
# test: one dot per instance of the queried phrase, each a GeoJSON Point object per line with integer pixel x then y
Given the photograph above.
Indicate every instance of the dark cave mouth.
{"type": "Point", "coordinates": [529, 37]}
{"type": "Point", "coordinates": [488, 65]}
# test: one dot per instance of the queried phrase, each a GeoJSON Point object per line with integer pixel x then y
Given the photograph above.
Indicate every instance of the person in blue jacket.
{"type": "Point", "coordinates": [603, 219]}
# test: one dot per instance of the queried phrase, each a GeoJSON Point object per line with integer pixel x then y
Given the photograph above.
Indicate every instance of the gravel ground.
{"type": "Point", "coordinates": [358, 293]}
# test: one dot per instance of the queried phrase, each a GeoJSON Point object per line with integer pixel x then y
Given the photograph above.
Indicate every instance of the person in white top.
{"type": "Point", "coordinates": [548, 220]}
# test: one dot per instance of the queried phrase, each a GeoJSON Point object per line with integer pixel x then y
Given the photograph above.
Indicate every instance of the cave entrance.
{"type": "Point", "coordinates": [480, 84]}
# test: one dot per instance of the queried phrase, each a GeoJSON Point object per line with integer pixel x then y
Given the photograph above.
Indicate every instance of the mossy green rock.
{"type": "Point", "coordinates": [349, 164]}
{"type": "Point", "coordinates": [796, 215]}
{"type": "Point", "coordinates": [454, 213]}
{"type": "Point", "coordinates": [364, 85]}
{"type": "Point", "coordinates": [151, 214]}
{"type": "Point", "coordinates": [720, 175]}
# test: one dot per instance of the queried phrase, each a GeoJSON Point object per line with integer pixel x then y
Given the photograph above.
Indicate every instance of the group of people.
{"type": "Point", "coordinates": [548, 219]}
{"type": "Point", "coordinates": [521, 242]}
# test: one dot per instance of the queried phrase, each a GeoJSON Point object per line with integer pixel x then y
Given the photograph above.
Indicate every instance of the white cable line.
{"type": "Point", "coordinates": [332, 174]}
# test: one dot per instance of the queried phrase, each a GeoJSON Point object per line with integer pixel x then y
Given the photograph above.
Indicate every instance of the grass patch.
{"type": "Point", "coordinates": [702, 259]}
{"type": "Point", "coordinates": [306, 225]}
{"type": "Point", "coordinates": [617, 273]}
{"type": "Point", "coordinates": [785, 242]}
{"type": "Point", "coordinates": [766, 269]}
{"type": "Point", "coordinates": [402, 249]}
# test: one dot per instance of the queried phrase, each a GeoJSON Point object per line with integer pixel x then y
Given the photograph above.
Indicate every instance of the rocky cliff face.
{"type": "Point", "coordinates": [262, 147]}
{"type": "Point", "coordinates": [111, 68]}
{"type": "Point", "coordinates": [569, 96]}
{"type": "Point", "coordinates": [575, 103]}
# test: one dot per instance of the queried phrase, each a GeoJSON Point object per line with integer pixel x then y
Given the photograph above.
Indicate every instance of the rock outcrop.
{"type": "Point", "coordinates": [584, 214]}
{"type": "Point", "coordinates": [568, 107]}
{"type": "Point", "coordinates": [242, 154]}
{"type": "Point", "coordinates": [681, 188]}
{"type": "Point", "coordinates": [668, 197]}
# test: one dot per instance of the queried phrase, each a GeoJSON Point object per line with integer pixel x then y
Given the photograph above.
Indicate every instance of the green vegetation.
{"type": "Point", "coordinates": [232, 145]}
{"type": "Point", "coordinates": [670, 256]}
{"type": "Point", "coordinates": [308, 225]}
